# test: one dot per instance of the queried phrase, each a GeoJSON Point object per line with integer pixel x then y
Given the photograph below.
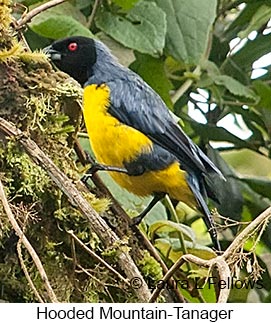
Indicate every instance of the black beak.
{"type": "Point", "coordinates": [53, 54]}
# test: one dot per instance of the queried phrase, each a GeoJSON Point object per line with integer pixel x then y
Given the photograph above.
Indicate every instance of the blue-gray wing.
{"type": "Point", "coordinates": [134, 103]}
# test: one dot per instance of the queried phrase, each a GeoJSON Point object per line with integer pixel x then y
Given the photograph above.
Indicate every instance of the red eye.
{"type": "Point", "coordinates": [72, 47]}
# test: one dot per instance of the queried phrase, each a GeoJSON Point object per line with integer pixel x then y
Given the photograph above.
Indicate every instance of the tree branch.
{"type": "Point", "coordinates": [184, 87]}
{"type": "Point", "coordinates": [243, 236]}
{"type": "Point", "coordinates": [98, 258]}
{"type": "Point", "coordinates": [219, 262]}
{"type": "Point", "coordinates": [97, 224]}
{"type": "Point", "coordinates": [31, 14]}
{"type": "Point", "coordinates": [178, 296]}
{"type": "Point", "coordinates": [24, 268]}
{"type": "Point", "coordinates": [93, 13]}
{"type": "Point", "coordinates": [27, 244]}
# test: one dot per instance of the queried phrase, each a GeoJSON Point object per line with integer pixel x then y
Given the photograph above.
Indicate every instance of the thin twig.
{"type": "Point", "coordinates": [240, 240]}
{"type": "Point", "coordinates": [184, 87]}
{"type": "Point", "coordinates": [218, 262]}
{"type": "Point", "coordinates": [73, 252]}
{"type": "Point", "coordinates": [23, 266]}
{"type": "Point", "coordinates": [27, 276]}
{"type": "Point", "coordinates": [229, 6]}
{"type": "Point", "coordinates": [174, 215]}
{"type": "Point", "coordinates": [27, 245]}
{"type": "Point", "coordinates": [171, 282]}
{"type": "Point", "coordinates": [97, 281]}
{"type": "Point", "coordinates": [169, 274]}
{"type": "Point", "coordinates": [89, 274]}
{"type": "Point", "coordinates": [93, 13]}
{"type": "Point", "coordinates": [31, 14]}
{"type": "Point", "coordinates": [222, 267]}
{"type": "Point", "coordinates": [98, 258]}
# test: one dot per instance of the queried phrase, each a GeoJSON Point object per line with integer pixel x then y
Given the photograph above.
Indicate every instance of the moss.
{"type": "Point", "coordinates": [99, 204]}
{"type": "Point", "coordinates": [7, 55]}
{"type": "Point", "coordinates": [150, 267]}
{"type": "Point", "coordinates": [45, 104]}
{"type": "Point", "coordinates": [6, 19]}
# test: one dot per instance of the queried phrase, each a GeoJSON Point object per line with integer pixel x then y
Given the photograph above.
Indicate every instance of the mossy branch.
{"type": "Point", "coordinates": [97, 224]}
{"type": "Point", "coordinates": [27, 245]}
{"type": "Point", "coordinates": [218, 262]}
{"type": "Point", "coordinates": [96, 257]}
{"type": "Point", "coordinates": [27, 275]}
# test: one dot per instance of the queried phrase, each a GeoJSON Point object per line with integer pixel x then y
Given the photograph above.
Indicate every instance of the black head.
{"type": "Point", "coordinates": [74, 56]}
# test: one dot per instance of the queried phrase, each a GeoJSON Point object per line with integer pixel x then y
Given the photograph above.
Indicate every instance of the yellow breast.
{"type": "Point", "coordinates": [113, 143]}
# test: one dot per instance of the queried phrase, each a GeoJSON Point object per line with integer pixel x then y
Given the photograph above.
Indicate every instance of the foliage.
{"type": "Point", "coordinates": [226, 103]}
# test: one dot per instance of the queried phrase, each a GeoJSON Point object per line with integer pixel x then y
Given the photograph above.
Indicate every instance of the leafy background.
{"type": "Point", "coordinates": [200, 57]}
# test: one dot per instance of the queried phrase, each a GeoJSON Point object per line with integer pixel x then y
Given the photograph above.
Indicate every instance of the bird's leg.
{"type": "Point", "coordinates": [213, 233]}
{"type": "Point", "coordinates": [209, 222]}
{"type": "Point", "coordinates": [157, 197]}
{"type": "Point", "coordinates": [97, 167]}
{"type": "Point", "coordinates": [128, 169]}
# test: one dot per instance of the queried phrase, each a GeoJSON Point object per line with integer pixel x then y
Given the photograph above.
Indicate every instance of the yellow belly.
{"type": "Point", "coordinates": [113, 143]}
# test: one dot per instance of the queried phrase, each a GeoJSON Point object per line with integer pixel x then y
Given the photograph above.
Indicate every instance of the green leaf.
{"type": "Point", "coordinates": [82, 4]}
{"type": "Point", "coordinates": [260, 185]}
{"type": "Point", "coordinates": [264, 105]}
{"type": "Point", "coordinates": [125, 4]}
{"type": "Point", "coordinates": [243, 19]}
{"type": "Point", "coordinates": [28, 3]}
{"type": "Point", "coordinates": [152, 70]}
{"type": "Point", "coordinates": [256, 204]}
{"type": "Point", "coordinates": [254, 201]}
{"type": "Point", "coordinates": [241, 160]}
{"type": "Point", "coordinates": [264, 91]}
{"type": "Point", "coordinates": [143, 29]}
{"type": "Point", "coordinates": [211, 132]}
{"type": "Point", "coordinates": [260, 17]}
{"type": "Point", "coordinates": [240, 64]}
{"type": "Point", "coordinates": [253, 120]}
{"type": "Point", "coordinates": [59, 22]}
{"type": "Point", "coordinates": [211, 68]}
{"type": "Point", "coordinates": [58, 26]}
{"type": "Point", "coordinates": [171, 248]}
{"type": "Point", "coordinates": [166, 226]}
{"type": "Point", "coordinates": [188, 27]}
{"type": "Point", "coordinates": [124, 55]}
{"type": "Point", "coordinates": [235, 87]}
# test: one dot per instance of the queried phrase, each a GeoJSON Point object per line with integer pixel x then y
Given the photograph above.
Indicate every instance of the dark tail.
{"type": "Point", "coordinates": [199, 191]}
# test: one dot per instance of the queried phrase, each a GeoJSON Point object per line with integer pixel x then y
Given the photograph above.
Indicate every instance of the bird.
{"type": "Point", "coordinates": [132, 132]}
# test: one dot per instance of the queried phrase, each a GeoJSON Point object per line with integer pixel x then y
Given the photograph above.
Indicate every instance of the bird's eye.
{"type": "Point", "coordinates": [72, 47]}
